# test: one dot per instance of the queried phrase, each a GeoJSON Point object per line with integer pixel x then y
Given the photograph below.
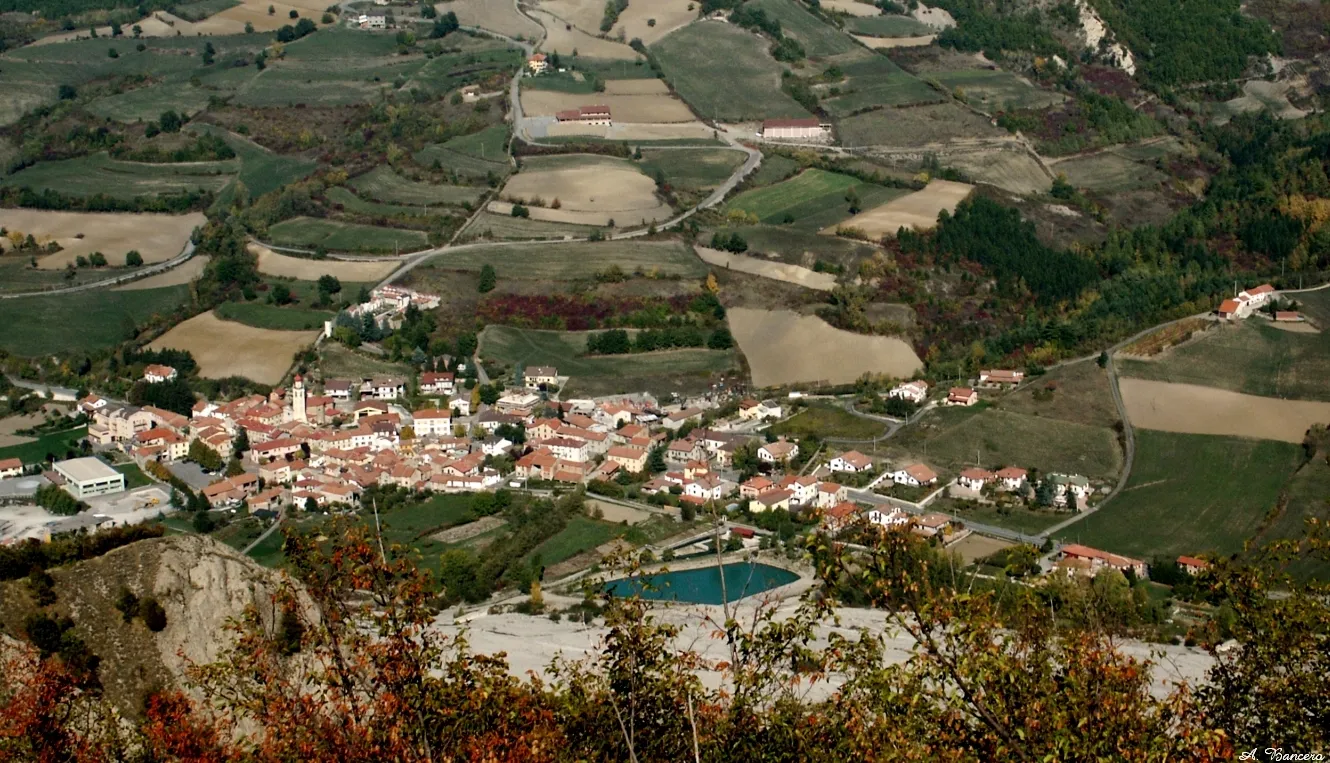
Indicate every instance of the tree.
{"type": "Point", "coordinates": [444, 25]}
{"type": "Point", "coordinates": [272, 11]}
{"type": "Point", "coordinates": [209, 52]}
{"type": "Point", "coordinates": [720, 339]}
{"type": "Point", "coordinates": [281, 294]}
{"type": "Point", "coordinates": [240, 445]}
{"type": "Point", "coordinates": [656, 460]}
{"type": "Point", "coordinates": [133, 259]}
{"type": "Point", "coordinates": [746, 461]}
{"type": "Point", "coordinates": [329, 284]}
{"type": "Point", "coordinates": [488, 279]}
{"type": "Point", "coordinates": [234, 468]}
{"type": "Point", "coordinates": [67, 93]}
{"type": "Point", "coordinates": [204, 456]}
{"type": "Point", "coordinates": [1045, 492]}
{"type": "Point", "coordinates": [520, 210]}
{"type": "Point", "coordinates": [1103, 359]}
{"type": "Point", "coordinates": [311, 505]}
{"type": "Point", "coordinates": [203, 523]}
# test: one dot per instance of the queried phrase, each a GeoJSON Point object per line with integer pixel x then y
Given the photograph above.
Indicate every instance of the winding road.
{"type": "Point", "coordinates": [144, 272]}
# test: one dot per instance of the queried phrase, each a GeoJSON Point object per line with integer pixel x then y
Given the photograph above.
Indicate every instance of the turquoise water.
{"type": "Point", "coordinates": [702, 585]}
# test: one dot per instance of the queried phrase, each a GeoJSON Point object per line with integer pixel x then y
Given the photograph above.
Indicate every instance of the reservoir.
{"type": "Point", "coordinates": [703, 585]}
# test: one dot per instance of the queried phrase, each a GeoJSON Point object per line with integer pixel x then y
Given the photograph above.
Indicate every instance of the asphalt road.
{"type": "Point", "coordinates": [143, 272]}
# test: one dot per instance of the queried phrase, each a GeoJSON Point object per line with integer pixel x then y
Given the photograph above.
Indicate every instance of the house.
{"type": "Point", "coordinates": [975, 479]}
{"type": "Point", "coordinates": [962, 396]}
{"type": "Point", "coordinates": [675, 421]}
{"type": "Point", "coordinates": [888, 518]}
{"type": "Point", "coordinates": [1012, 478]}
{"type": "Point", "coordinates": [369, 408]}
{"type": "Point", "coordinates": [1092, 560]}
{"type": "Point", "coordinates": [1191, 565]}
{"type": "Point", "coordinates": [1065, 485]}
{"type": "Point", "coordinates": [471, 93]}
{"type": "Point", "coordinates": [167, 445]}
{"type": "Point", "coordinates": [852, 462]}
{"type": "Point", "coordinates": [913, 391]}
{"type": "Point", "coordinates": [795, 129]}
{"type": "Point", "coordinates": [598, 115]}
{"type": "Point", "coordinates": [278, 472]}
{"type": "Point", "coordinates": [829, 494]}
{"type": "Point", "coordinates": [279, 448]}
{"type": "Point", "coordinates": [1258, 296]}
{"type": "Point", "coordinates": [432, 422]}
{"type": "Point", "coordinates": [385, 387]}
{"type": "Point", "coordinates": [752, 410]}
{"type": "Point", "coordinates": [338, 389]}
{"type": "Point", "coordinates": [1232, 309]}
{"type": "Point", "coordinates": [156, 374]}
{"type": "Point", "coordinates": [536, 377]}
{"type": "Point", "coordinates": [537, 63]}
{"type": "Point", "coordinates": [565, 448]}
{"type": "Point", "coordinates": [268, 500]}
{"type": "Point", "coordinates": [685, 450]}
{"type": "Point", "coordinates": [372, 21]}
{"type": "Point", "coordinates": [694, 469]}
{"type": "Point", "coordinates": [770, 501]}
{"type": "Point", "coordinates": [1000, 378]}
{"type": "Point", "coordinates": [91, 403]}
{"type": "Point", "coordinates": [631, 459]}
{"type": "Point", "coordinates": [914, 475]}
{"type": "Point", "coordinates": [11, 467]}
{"type": "Point", "coordinates": [840, 516]}
{"type": "Point", "coordinates": [492, 420]}
{"type": "Point", "coordinates": [706, 488]}
{"type": "Point", "coordinates": [803, 490]}
{"type": "Point", "coordinates": [755, 486]}
{"type": "Point", "coordinates": [929, 525]}
{"type": "Point", "coordinates": [778, 452]}
{"type": "Point", "coordinates": [518, 403]}
{"type": "Point", "coordinates": [460, 404]}
{"type": "Point", "coordinates": [495, 446]}
{"type": "Point", "coordinates": [437, 383]}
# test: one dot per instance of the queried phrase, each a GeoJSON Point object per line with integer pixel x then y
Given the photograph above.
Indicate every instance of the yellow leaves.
{"type": "Point", "coordinates": [395, 153]}
{"type": "Point", "coordinates": [1314, 211]}
{"type": "Point", "coordinates": [712, 286]}
{"type": "Point", "coordinates": [741, 217]}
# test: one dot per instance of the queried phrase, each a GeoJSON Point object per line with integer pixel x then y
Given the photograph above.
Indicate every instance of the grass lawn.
{"type": "Point", "coordinates": [578, 261]}
{"type": "Point", "coordinates": [818, 38]}
{"type": "Point", "coordinates": [56, 443]}
{"type": "Point", "coordinates": [724, 73]}
{"type": "Point", "coordinates": [309, 232]}
{"type": "Point", "coordinates": [84, 321]}
{"type": "Point", "coordinates": [134, 476]}
{"type": "Point", "coordinates": [581, 534]}
{"type": "Point", "coordinates": [888, 26]}
{"type": "Point", "coordinates": [829, 421]}
{"type": "Point", "coordinates": [996, 90]}
{"type": "Point", "coordinates": [100, 174]}
{"type": "Point", "coordinates": [812, 200]}
{"type": "Point", "coordinates": [1190, 494]}
{"type": "Point", "coordinates": [265, 316]}
{"type": "Point", "coordinates": [1080, 394]}
{"type": "Point", "coordinates": [383, 184]}
{"type": "Point", "coordinates": [704, 168]}
{"type": "Point", "coordinates": [336, 360]}
{"type": "Point", "coordinates": [269, 553]}
{"type": "Point", "coordinates": [995, 437]}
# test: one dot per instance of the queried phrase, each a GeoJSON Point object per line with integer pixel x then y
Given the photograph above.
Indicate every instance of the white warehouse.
{"type": "Point", "coordinates": [89, 476]}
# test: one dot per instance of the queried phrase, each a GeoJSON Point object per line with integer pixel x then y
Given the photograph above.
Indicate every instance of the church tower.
{"type": "Point", "coordinates": [298, 399]}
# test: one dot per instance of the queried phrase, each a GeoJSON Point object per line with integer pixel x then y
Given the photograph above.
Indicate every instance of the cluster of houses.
{"type": "Point", "coordinates": [1249, 301]}
{"type": "Point", "coordinates": [388, 305]}
{"type": "Point", "coordinates": [916, 391]}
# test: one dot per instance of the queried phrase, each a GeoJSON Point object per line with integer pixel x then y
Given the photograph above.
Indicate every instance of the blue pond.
{"type": "Point", "coordinates": [702, 585]}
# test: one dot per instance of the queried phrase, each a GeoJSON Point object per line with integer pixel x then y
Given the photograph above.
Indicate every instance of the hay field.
{"type": "Point", "coordinates": [177, 276]}
{"type": "Point", "coordinates": [591, 190]}
{"type": "Point", "coordinates": [890, 26]}
{"type": "Point", "coordinates": [1106, 172]}
{"type": "Point", "coordinates": [501, 17]}
{"type": "Point", "coordinates": [227, 348]}
{"type": "Point", "coordinates": [1001, 437]}
{"type": "Point", "coordinates": [1011, 170]}
{"type": "Point", "coordinates": [98, 173]}
{"type": "Point", "coordinates": [559, 39]}
{"type": "Point", "coordinates": [916, 127]}
{"type": "Point", "coordinates": [651, 86]}
{"type": "Point", "coordinates": [635, 131]}
{"type": "Point", "coordinates": [163, 24]}
{"type": "Point", "coordinates": [725, 73]}
{"type": "Point", "coordinates": [486, 223]}
{"type": "Point", "coordinates": [256, 12]}
{"type": "Point", "coordinates": [312, 232]}
{"type": "Point", "coordinates": [997, 90]}
{"type": "Point", "coordinates": [852, 7]}
{"type": "Point", "coordinates": [669, 15]}
{"type": "Point", "coordinates": [275, 264]}
{"type": "Point", "coordinates": [583, 14]}
{"type": "Point", "coordinates": [654, 107]}
{"type": "Point", "coordinates": [917, 210]}
{"type": "Point", "coordinates": [157, 237]}
{"type": "Point", "coordinates": [577, 261]}
{"type": "Point", "coordinates": [783, 347]}
{"type": "Point", "coordinates": [1193, 409]}
{"type": "Point", "coordinates": [896, 42]}
{"type": "Point", "coordinates": [703, 168]}
{"type": "Point", "coordinates": [382, 184]}
{"type": "Point", "coordinates": [779, 271]}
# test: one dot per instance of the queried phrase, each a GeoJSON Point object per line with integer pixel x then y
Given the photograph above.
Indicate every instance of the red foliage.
{"type": "Point", "coordinates": [576, 313]}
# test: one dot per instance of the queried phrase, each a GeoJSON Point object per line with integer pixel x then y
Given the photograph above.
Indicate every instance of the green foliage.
{"type": "Point", "coordinates": [55, 500]}
{"type": "Point", "coordinates": [488, 279]}
{"type": "Point", "coordinates": [204, 456]}
{"type": "Point", "coordinates": [1192, 41]}
{"type": "Point", "coordinates": [981, 26]}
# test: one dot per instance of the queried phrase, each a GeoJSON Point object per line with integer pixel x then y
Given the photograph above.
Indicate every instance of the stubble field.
{"type": "Point", "coordinates": [156, 237]}
{"type": "Point", "coordinates": [649, 107]}
{"type": "Point", "coordinates": [501, 17]}
{"type": "Point", "coordinates": [918, 210]}
{"type": "Point", "coordinates": [668, 15]}
{"type": "Point", "coordinates": [275, 264]}
{"type": "Point", "coordinates": [177, 276]}
{"type": "Point", "coordinates": [1189, 408]}
{"type": "Point", "coordinates": [783, 347]}
{"type": "Point", "coordinates": [591, 190]}
{"type": "Point", "coordinates": [562, 40]}
{"type": "Point", "coordinates": [228, 348]}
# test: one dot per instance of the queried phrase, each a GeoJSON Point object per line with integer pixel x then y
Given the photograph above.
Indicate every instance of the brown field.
{"type": "Point", "coordinates": [163, 24]}
{"type": "Point", "coordinates": [599, 190]}
{"type": "Point", "coordinates": [501, 17]}
{"type": "Point", "coordinates": [852, 7]}
{"type": "Point", "coordinates": [275, 264]}
{"type": "Point", "coordinates": [655, 107]}
{"type": "Point", "coordinates": [157, 237]}
{"type": "Point", "coordinates": [1296, 328]}
{"type": "Point", "coordinates": [181, 274]}
{"type": "Point", "coordinates": [784, 347]}
{"type": "Point", "coordinates": [896, 42]}
{"type": "Point", "coordinates": [635, 131]}
{"type": "Point", "coordinates": [975, 546]}
{"type": "Point", "coordinates": [1013, 171]}
{"type": "Point", "coordinates": [583, 14]}
{"type": "Point", "coordinates": [559, 39]}
{"type": "Point", "coordinates": [226, 348]}
{"type": "Point", "coordinates": [779, 271]}
{"type": "Point", "coordinates": [669, 15]}
{"type": "Point", "coordinates": [256, 12]}
{"type": "Point", "coordinates": [636, 87]}
{"type": "Point", "coordinates": [917, 210]}
{"type": "Point", "coordinates": [1152, 344]}
{"type": "Point", "coordinates": [1193, 409]}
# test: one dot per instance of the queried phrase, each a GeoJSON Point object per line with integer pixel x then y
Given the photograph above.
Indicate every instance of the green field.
{"type": "Point", "coordinates": [888, 26]}
{"type": "Point", "coordinates": [265, 316]}
{"type": "Point", "coordinates": [1021, 520]}
{"type": "Point", "coordinates": [474, 155]}
{"type": "Point", "coordinates": [671, 370]}
{"type": "Point", "coordinates": [202, 9]}
{"type": "Point", "coordinates": [575, 261]}
{"type": "Point", "coordinates": [336, 360]}
{"type": "Point", "coordinates": [814, 199]}
{"type": "Point", "coordinates": [1190, 494]}
{"type": "Point", "coordinates": [89, 320]}
{"type": "Point", "coordinates": [134, 476]}
{"type": "Point", "coordinates": [876, 82]}
{"type": "Point", "coordinates": [261, 170]}
{"type": "Point", "coordinates": [724, 73]}
{"type": "Point", "coordinates": [1080, 394]}
{"type": "Point", "coordinates": [100, 174]}
{"type": "Point", "coordinates": [914, 127]}
{"type": "Point", "coordinates": [16, 275]}
{"type": "Point", "coordinates": [148, 103]}
{"type": "Point", "coordinates": [57, 444]}
{"type": "Point", "coordinates": [993, 437]}
{"type": "Point", "coordinates": [790, 245]}
{"type": "Point", "coordinates": [382, 184]}
{"type": "Point", "coordinates": [819, 39]}
{"type": "Point", "coordinates": [507, 227]}
{"type": "Point", "coordinates": [311, 232]}
{"type": "Point", "coordinates": [1108, 173]}
{"type": "Point", "coordinates": [829, 421]}
{"type": "Point", "coordinates": [996, 90]}
{"type": "Point", "coordinates": [1307, 492]}
{"type": "Point", "coordinates": [581, 534]}
{"type": "Point", "coordinates": [353, 203]}
{"type": "Point", "coordinates": [702, 169]}
{"type": "Point", "coordinates": [773, 169]}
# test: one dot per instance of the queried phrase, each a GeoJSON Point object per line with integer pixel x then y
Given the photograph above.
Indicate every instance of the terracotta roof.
{"type": "Point", "coordinates": [921, 473]}
{"type": "Point", "coordinates": [1228, 306]}
{"type": "Point", "coordinates": [1264, 288]}
{"type": "Point", "coordinates": [978, 474]}
{"type": "Point", "coordinates": [1191, 561]}
{"type": "Point", "coordinates": [1012, 473]}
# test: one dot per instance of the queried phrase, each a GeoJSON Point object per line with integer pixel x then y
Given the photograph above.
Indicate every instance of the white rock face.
{"type": "Point", "coordinates": [934, 17]}
{"type": "Point", "coordinates": [1095, 30]}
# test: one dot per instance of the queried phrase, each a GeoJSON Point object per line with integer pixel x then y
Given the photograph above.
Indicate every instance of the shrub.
{"type": "Point", "coordinates": [133, 259]}
{"type": "Point", "coordinates": [152, 613]}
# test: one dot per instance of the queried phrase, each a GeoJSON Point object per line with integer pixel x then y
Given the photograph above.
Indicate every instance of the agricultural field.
{"type": "Point", "coordinates": [1190, 494]}
{"type": "Point", "coordinates": [284, 266]}
{"type": "Point", "coordinates": [776, 270]}
{"type": "Point", "coordinates": [346, 200]}
{"type": "Point", "coordinates": [575, 261]}
{"type": "Point", "coordinates": [147, 103]}
{"type": "Point", "coordinates": [811, 200]}
{"type": "Point", "coordinates": [498, 17]}
{"type": "Point", "coordinates": [1306, 492]}
{"type": "Point", "coordinates": [156, 237]}
{"type": "Point", "coordinates": [995, 437]}
{"type": "Point", "coordinates": [55, 443]}
{"type": "Point", "coordinates": [649, 22]}
{"type": "Point", "coordinates": [582, 534]}
{"type": "Point", "coordinates": [1078, 393]}
{"type": "Point", "coordinates": [562, 40]}
{"type": "Point", "coordinates": [773, 169]}
{"type": "Point", "coordinates": [261, 170]}
{"type": "Point", "coordinates": [18, 276]}
{"type": "Point", "coordinates": [667, 371]}
{"type": "Point", "coordinates": [659, 107]}
{"type": "Point", "coordinates": [783, 347]}
{"type": "Point", "coordinates": [852, 7]}
{"type": "Point", "coordinates": [829, 421]}
{"type": "Point", "coordinates": [996, 90]}
{"type": "Point", "coordinates": [1012, 170]}
{"type": "Point", "coordinates": [94, 320]}
{"type": "Point", "coordinates": [702, 169]}
{"type": "Point", "coordinates": [915, 211]}
{"type": "Point", "coordinates": [382, 184]}
{"type": "Point", "coordinates": [583, 14]}
{"type": "Point", "coordinates": [1107, 172]}
{"type": "Point", "coordinates": [724, 73]}
{"type": "Point", "coordinates": [228, 348]}
{"type": "Point", "coordinates": [309, 233]}
{"type": "Point", "coordinates": [506, 227]}
{"type": "Point", "coordinates": [888, 25]}
{"type": "Point", "coordinates": [336, 360]}
{"type": "Point", "coordinates": [176, 276]}
{"type": "Point", "coordinates": [265, 316]}
{"type": "Point", "coordinates": [99, 174]}
{"type": "Point", "coordinates": [875, 82]}
{"type": "Point", "coordinates": [590, 189]}
{"type": "Point", "coordinates": [794, 246]}
{"type": "Point", "coordinates": [886, 43]}
{"type": "Point", "coordinates": [256, 12]}
{"type": "Point", "coordinates": [474, 155]}
{"type": "Point", "coordinates": [1190, 408]}
{"type": "Point", "coordinates": [818, 39]}
{"type": "Point", "coordinates": [915, 127]}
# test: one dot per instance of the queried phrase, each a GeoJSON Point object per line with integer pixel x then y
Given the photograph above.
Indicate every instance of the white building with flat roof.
{"type": "Point", "coordinates": [89, 476]}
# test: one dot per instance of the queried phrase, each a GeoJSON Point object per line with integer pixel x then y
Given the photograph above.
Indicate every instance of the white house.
{"type": "Point", "coordinates": [914, 391]}
{"type": "Point", "coordinates": [156, 374]}
{"type": "Point", "coordinates": [914, 475]}
{"type": "Point", "coordinates": [537, 64]}
{"type": "Point", "coordinates": [10, 467]}
{"type": "Point", "coordinates": [706, 488]}
{"type": "Point", "coordinates": [372, 21]}
{"type": "Point", "coordinates": [888, 518]}
{"type": "Point", "coordinates": [962, 396]}
{"type": "Point", "coordinates": [565, 448]}
{"type": "Point", "coordinates": [1065, 485]}
{"type": "Point", "coordinates": [386, 387]}
{"type": "Point", "coordinates": [852, 462]}
{"type": "Point", "coordinates": [752, 410]}
{"type": "Point", "coordinates": [829, 494]}
{"type": "Point", "coordinates": [433, 422]}
{"type": "Point", "coordinates": [535, 377]}
{"type": "Point", "coordinates": [1012, 478]}
{"type": "Point", "coordinates": [777, 452]}
{"type": "Point", "coordinates": [437, 383]}
{"type": "Point", "coordinates": [1258, 296]}
{"type": "Point", "coordinates": [975, 479]}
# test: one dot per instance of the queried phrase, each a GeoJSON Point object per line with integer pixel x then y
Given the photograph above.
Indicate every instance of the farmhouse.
{"type": "Point", "coordinates": [914, 475]}
{"type": "Point", "coordinates": [962, 396]}
{"type": "Point", "coordinates": [88, 476]}
{"type": "Point", "coordinates": [795, 129]}
{"type": "Point", "coordinates": [852, 462]}
{"type": "Point", "coordinates": [536, 377]}
{"type": "Point", "coordinates": [1000, 378]}
{"type": "Point", "coordinates": [372, 21]}
{"type": "Point", "coordinates": [1191, 565]}
{"type": "Point", "coordinates": [10, 467]}
{"type": "Point", "coordinates": [155, 374]}
{"type": "Point", "coordinates": [1257, 296]}
{"type": "Point", "coordinates": [975, 479]}
{"type": "Point", "coordinates": [591, 116]}
{"type": "Point", "coordinates": [914, 391]}
{"type": "Point", "coordinates": [537, 63]}
{"type": "Point", "coordinates": [1232, 309]}
{"type": "Point", "coordinates": [1074, 558]}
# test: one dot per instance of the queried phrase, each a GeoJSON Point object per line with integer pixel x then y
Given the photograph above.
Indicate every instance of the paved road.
{"type": "Point", "coordinates": [869, 497]}
{"type": "Point", "coordinates": [143, 272]}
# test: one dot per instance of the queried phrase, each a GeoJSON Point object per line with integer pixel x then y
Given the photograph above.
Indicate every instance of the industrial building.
{"type": "Point", "coordinates": [85, 477]}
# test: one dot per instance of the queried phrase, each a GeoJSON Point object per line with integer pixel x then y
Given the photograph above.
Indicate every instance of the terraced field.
{"type": "Point", "coordinates": [994, 90]}
{"type": "Point", "coordinates": [576, 261]}
{"type": "Point", "coordinates": [474, 155]}
{"type": "Point", "coordinates": [382, 184]}
{"type": "Point", "coordinates": [812, 200]}
{"type": "Point", "coordinates": [818, 39]}
{"type": "Point", "coordinates": [100, 174]}
{"type": "Point", "coordinates": [308, 233]}
{"type": "Point", "coordinates": [874, 82]}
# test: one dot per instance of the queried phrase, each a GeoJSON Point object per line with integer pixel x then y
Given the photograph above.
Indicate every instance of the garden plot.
{"type": "Point", "coordinates": [651, 107]}
{"type": "Point", "coordinates": [668, 15]}
{"type": "Point", "coordinates": [783, 347]}
{"type": "Point", "coordinates": [501, 17]}
{"type": "Point", "coordinates": [176, 276]}
{"type": "Point", "coordinates": [591, 190]}
{"type": "Point", "coordinates": [779, 271]}
{"type": "Point", "coordinates": [156, 237]}
{"type": "Point", "coordinates": [918, 210]}
{"type": "Point", "coordinates": [227, 348]}
{"type": "Point", "coordinates": [1011, 170]}
{"type": "Point", "coordinates": [725, 73]}
{"type": "Point", "coordinates": [1106, 172]}
{"type": "Point", "coordinates": [1193, 409]}
{"type": "Point", "coordinates": [562, 40]}
{"type": "Point", "coordinates": [303, 269]}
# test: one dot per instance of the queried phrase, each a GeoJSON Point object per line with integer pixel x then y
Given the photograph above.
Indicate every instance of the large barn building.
{"type": "Point", "coordinates": [795, 129]}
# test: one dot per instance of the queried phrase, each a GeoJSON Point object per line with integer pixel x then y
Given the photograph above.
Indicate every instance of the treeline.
{"type": "Point", "coordinates": [54, 9]}
{"type": "Point", "coordinates": [19, 559]}
{"type": "Point", "coordinates": [617, 341]}
{"type": "Point", "coordinates": [180, 360]}
{"type": "Point", "coordinates": [207, 148]}
{"type": "Point", "coordinates": [178, 202]}
{"type": "Point", "coordinates": [54, 499]}
{"type": "Point", "coordinates": [1179, 41]}
{"type": "Point", "coordinates": [612, 10]}
{"type": "Point", "coordinates": [982, 25]}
